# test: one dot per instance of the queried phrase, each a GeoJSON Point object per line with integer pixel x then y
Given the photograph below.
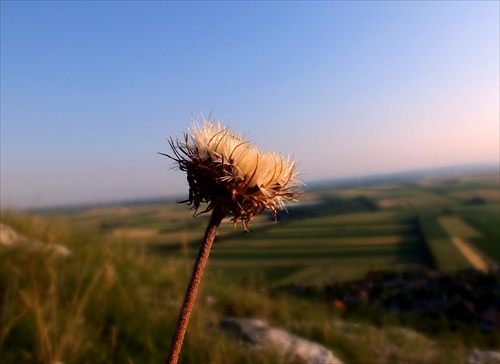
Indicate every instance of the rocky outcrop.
{"type": "Point", "coordinates": [476, 356]}
{"type": "Point", "coordinates": [293, 349]}
{"type": "Point", "coordinates": [9, 238]}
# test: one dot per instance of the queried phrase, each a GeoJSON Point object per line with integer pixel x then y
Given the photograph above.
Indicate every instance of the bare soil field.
{"type": "Point", "coordinates": [472, 256]}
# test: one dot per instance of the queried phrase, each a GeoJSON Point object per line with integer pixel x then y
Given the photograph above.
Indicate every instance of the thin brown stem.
{"type": "Point", "coordinates": [215, 220]}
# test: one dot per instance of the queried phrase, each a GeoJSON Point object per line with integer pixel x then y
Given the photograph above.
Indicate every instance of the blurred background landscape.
{"type": "Point", "coordinates": [391, 110]}
{"type": "Point", "coordinates": [347, 266]}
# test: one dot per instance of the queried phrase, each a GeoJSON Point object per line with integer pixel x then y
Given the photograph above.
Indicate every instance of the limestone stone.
{"type": "Point", "coordinates": [293, 349]}
{"type": "Point", "coordinates": [9, 238]}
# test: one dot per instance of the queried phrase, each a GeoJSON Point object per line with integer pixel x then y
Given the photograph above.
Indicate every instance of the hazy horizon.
{"type": "Point", "coordinates": [352, 181]}
{"type": "Point", "coordinates": [91, 91]}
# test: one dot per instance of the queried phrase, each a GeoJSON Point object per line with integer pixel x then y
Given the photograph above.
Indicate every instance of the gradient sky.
{"type": "Point", "coordinates": [91, 91]}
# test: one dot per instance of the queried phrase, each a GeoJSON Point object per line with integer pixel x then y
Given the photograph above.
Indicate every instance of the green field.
{"type": "Point", "coordinates": [337, 234]}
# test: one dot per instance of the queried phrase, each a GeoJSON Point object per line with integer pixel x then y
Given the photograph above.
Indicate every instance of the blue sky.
{"type": "Point", "coordinates": [91, 91]}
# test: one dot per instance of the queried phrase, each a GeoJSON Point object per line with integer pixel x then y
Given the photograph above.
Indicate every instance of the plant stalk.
{"type": "Point", "coordinates": [215, 220]}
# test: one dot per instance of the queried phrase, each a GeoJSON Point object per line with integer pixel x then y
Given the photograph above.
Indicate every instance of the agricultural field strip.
{"type": "Point", "coordinates": [317, 271]}
{"type": "Point", "coordinates": [472, 256]}
{"type": "Point", "coordinates": [145, 222]}
{"type": "Point", "coordinates": [426, 200]}
{"type": "Point", "coordinates": [315, 242]}
{"type": "Point", "coordinates": [313, 254]}
{"type": "Point", "coordinates": [273, 249]}
{"type": "Point", "coordinates": [168, 238]}
{"type": "Point", "coordinates": [133, 214]}
{"type": "Point", "coordinates": [487, 228]}
{"type": "Point", "coordinates": [312, 275]}
{"type": "Point", "coordinates": [334, 262]}
{"type": "Point", "coordinates": [134, 233]}
{"type": "Point", "coordinates": [319, 275]}
{"type": "Point", "coordinates": [489, 242]}
{"type": "Point", "coordinates": [290, 228]}
{"type": "Point", "coordinates": [447, 255]}
{"type": "Point", "coordinates": [287, 237]}
{"type": "Point", "coordinates": [493, 195]}
{"type": "Point", "coordinates": [491, 210]}
{"type": "Point", "coordinates": [352, 218]}
{"type": "Point", "coordinates": [456, 227]}
{"type": "Point", "coordinates": [460, 233]}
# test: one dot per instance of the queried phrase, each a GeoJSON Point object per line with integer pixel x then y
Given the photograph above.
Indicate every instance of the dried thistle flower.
{"type": "Point", "coordinates": [233, 178]}
{"type": "Point", "coordinates": [226, 170]}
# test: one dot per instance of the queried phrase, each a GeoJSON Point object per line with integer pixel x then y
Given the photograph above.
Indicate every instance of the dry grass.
{"type": "Point", "coordinates": [116, 303]}
{"type": "Point", "coordinates": [134, 233]}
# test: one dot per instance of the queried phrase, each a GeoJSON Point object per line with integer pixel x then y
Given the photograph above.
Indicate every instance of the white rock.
{"type": "Point", "coordinates": [292, 348]}
{"type": "Point", "coordinates": [475, 356]}
{"type": "Point", "coordinates": [10, 238]}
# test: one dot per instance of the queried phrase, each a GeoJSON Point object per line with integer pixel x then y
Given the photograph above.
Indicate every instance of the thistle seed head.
{"type": "Point", "coordinates": [223, 169]}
